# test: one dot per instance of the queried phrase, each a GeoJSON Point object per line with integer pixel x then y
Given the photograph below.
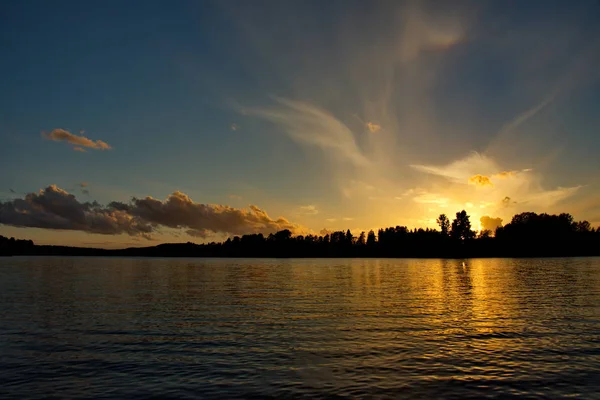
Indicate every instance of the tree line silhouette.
{"type": "Point", "coordinates": [527, 235]}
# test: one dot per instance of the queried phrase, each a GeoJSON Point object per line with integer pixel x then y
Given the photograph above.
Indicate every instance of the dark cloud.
{"type": "Point", "coordinates": [54, 208]}
{"type": "Point", "coordinates": [12, 190]}
{"type": "Point", "coordinates": [78, 142]}
{"type": "Point", "coordinates": [507, 202]}
{"type": "Point", "coordinates": [490, 224]}
{"type": "Point", "coordinates": [180, 211]}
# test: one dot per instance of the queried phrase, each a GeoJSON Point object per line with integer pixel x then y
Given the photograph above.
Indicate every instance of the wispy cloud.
{"type": "Point", "coordinates": [312, 126]}
{"type": "Point", "coordinates": [78, 142]}
{"type": "Point", "coordinates": [506, 191]}
{"type": "Point", "coordinates": [431, 198]}
{"type": "Point", "coordinates": [461, 170]}
{"type": "Point", "coordinates": [526, 115]}
{"type": "Point", "coordinates": [309, 209]}
{"type": "Point", "coordinates": [508, 174]}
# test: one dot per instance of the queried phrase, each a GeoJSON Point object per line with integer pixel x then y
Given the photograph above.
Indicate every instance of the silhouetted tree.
{"type": "Point", "coordinates": [444, 224]}
{"type": "Point", "coordinates": [485, 234]}
{"type": "Point", "coordinates": [371, 241]}
{"type": "Point", "coordinates": [583, 227]}
{"type": "Point", "coordinates": [461, 227]}
{"type": "Point", "coordinates": [349, 238]}
{"type": "Point", "coordinates": [528, 234]}
{"type": "Point", "coordinates": [361, 241]}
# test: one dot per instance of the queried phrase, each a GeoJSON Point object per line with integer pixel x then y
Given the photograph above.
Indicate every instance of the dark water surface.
{"type": "Point", "coordinates": [191, 328]}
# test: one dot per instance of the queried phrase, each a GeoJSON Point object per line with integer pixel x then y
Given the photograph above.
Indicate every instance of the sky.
{"type": "Point", "coordinates": [137, 123]}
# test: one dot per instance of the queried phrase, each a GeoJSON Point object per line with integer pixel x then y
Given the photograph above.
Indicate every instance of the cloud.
{"type": "Point", "coordinates": [83, 184]}
{"type": "Point", "coordinates": [181, 212]}
{"type": "Point", "coordinates": [480, 180]}
{"type": "Point", "coordinates": [525, 116]}
{"type": "Point", "coordinates": [430, 198]}
{"type": "Point", "coordinates": [506, 174]}
{"type": "Point", "coordinates": [489, 223]}
{"type": "Point", "coordinates": [506, 201]}
{"type": "Point", "coordinates": [12, 190]}
{"type": "Point", "coordinates": [54, 208]}
{"type": "Point", "coordinates": [86, 192]}
{"type": "Point", "coordinates": [373, 127]}
{"type": "Point", "coordinates": [507, 191]}
{"type": "Point", "coordinates": [461, 170]}
{"type": "Point", "coordinates": [330, 220]}
{"type": "Point", "coordinates": [78, 142]}
{"type": "Point", "coordinates": [309, 209]}
{"type": "Point", "coordinates": [79, 149]}
{"type": "Point", "coordinates": [234, 127]}
{"type": "Point", "coordinates": [549, 197]}
{"type": "Point", "coordinates": [312, 126]}
{"type": "Point", "coordinates": [356, 187]}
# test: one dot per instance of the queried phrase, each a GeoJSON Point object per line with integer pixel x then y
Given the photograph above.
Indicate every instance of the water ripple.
{"type": "Point", "coordinates": [154, 328]}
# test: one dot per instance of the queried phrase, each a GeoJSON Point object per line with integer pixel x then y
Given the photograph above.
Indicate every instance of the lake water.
{"type": "Point", "coordinates": [241, 328]}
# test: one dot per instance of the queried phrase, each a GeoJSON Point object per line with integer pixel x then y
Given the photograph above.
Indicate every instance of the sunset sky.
{"type": "Point", "coordinates": [135, 123]}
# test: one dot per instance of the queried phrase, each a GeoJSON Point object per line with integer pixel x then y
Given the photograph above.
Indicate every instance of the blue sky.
{"type": "Point", "coordinates": [338, 114]}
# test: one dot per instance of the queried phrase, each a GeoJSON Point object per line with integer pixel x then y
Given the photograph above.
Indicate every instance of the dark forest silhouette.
{"type": "Point", "coordinates": [527, 235]}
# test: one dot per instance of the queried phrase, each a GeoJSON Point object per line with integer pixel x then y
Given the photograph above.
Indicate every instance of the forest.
{"type": "Point", "coordinates": [526, 235]}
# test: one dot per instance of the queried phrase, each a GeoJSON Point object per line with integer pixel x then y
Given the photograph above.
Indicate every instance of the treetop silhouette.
{"type": "Point", "coordinates": [528, 234]}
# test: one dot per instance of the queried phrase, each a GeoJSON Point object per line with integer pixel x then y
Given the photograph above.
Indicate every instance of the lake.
{"type": "Point", "coordinates": [291, 328]}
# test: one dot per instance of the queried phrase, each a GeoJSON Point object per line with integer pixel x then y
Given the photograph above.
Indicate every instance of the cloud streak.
{"type": "Point", "coordinates": [312, 126]}
{"type": "Point", "coordinates": [54, 208]}
{"type": "Point", "coordinates": [79, 143]}
{"type": "Point", "coordinates": [309, 209]}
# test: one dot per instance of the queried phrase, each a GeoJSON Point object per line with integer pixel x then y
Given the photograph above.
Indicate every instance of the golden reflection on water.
{"type": "Point", "coordinates": [308, 326]}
